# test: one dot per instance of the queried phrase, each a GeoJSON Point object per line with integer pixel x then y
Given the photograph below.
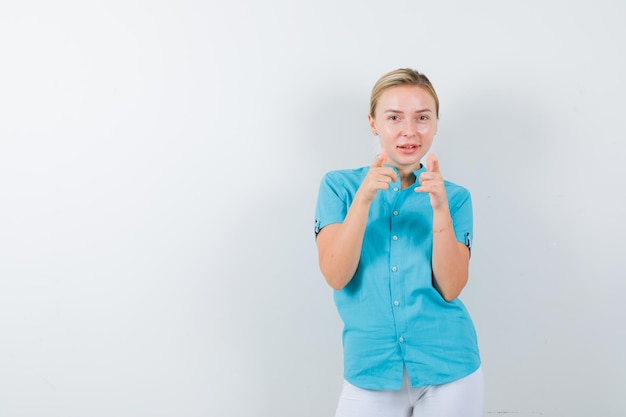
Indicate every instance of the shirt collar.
{"type": "Point", "coordinates": [416, 172]}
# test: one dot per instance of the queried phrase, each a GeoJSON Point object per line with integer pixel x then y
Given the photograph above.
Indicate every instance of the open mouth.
{"type": "Point", "coordinates": [408, 148]}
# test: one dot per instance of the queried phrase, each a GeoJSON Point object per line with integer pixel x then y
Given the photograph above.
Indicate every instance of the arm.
{"type": "Point", "coordinates": [339, 244]}
{"type": "Point", "coordinates": [450, 261]}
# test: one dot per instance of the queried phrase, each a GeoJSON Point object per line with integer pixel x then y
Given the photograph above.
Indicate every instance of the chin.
{"type": "Point", "coordinates": [410, 159]}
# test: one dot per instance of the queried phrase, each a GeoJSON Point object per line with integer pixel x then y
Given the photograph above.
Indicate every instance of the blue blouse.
{"type": "Point", "coordinates": [393, 316]}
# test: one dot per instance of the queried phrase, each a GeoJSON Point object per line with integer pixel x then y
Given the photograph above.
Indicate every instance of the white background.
{"type": "Point", "coordinates": [159, 165]}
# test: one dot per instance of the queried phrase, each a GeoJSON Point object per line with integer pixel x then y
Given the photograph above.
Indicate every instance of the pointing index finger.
{"type": "Point", "coordinates": [432, 163]}
{"type": "Point", "coordinates": [380, 159]}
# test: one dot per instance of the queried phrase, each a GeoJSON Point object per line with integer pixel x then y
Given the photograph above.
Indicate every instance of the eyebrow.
{"type": "Point", "coordinates": [399, 111]}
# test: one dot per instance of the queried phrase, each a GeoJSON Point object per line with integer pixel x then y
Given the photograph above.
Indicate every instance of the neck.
{"type": "Point", "coordinates": [407, 174]}
{"type": "Point", "coordinates": [407, 179]}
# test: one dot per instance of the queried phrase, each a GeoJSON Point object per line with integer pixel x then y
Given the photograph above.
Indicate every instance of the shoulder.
{"type": "Point", "coordinates": [454, 187]}
{"type": "Point", "coordinates": [457, 194]}
{"type": "Point", "coordinates": [345, 177]}
{"type": "Point", "coordinates": [347, 173]}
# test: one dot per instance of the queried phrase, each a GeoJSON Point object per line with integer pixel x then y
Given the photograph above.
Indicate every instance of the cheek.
{"type": "Point", "coordinates": [427, 129]}
{"type": "Point", "coordinates": [396, 128]}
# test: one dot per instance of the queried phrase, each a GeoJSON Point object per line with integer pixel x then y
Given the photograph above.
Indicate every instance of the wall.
{"type": "Point", "coordinates": [159, 164]}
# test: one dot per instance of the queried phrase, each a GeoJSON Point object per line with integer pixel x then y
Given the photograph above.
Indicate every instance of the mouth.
{"type": "Point", "coordinates": [408, 148]}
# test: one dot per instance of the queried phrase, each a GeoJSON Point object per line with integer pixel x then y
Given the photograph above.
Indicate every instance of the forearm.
{"type": "Point", "coordinates": [450, 260]}
{"type": "Point", "coordinates": [339, 246]}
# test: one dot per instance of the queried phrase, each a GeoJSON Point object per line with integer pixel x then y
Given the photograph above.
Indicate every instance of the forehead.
{"type": "Point", "coordinates": [406, 96]}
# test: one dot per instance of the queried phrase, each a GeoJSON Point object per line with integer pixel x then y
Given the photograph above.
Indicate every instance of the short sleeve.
{"type": "Point", "coordinates": [460, 202]}
{"type": "Point", "coordinates": [331, 204]}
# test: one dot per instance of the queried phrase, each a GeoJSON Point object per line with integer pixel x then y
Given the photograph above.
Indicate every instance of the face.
{"type": "Point", "coordinates": [406, 123]}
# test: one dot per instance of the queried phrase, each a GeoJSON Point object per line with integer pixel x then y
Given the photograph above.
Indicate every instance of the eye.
{"type": "Point", "coordinates": [423, 118]}
{"type": "Point", "coordinates": [394, 117]}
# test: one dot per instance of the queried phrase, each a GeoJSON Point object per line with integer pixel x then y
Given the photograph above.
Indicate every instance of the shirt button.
{"type": "Point", "coordinates": [395, 212]}
{"type": "Point", "coordinates": [395, 238]}
{"type": "Point", "coordinates": [396, 303]}
{"type": "Point", "coordinates": [395, 188]}
{"type": "Point", "coordinates": [401, 339]}
{"type": "Point", "coordinates": [394, 269]}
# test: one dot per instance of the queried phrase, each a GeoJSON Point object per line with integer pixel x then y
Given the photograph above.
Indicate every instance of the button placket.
{"type": "Point", "coordinates": [395, 267]}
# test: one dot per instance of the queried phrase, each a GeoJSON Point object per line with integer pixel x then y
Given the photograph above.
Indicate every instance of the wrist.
{"type": "Point", "coordinates": [441, 228]}
{"type": "Point", "coordinates": [442, 220]}
{"type": "Point", "coordinates": [362, 199]}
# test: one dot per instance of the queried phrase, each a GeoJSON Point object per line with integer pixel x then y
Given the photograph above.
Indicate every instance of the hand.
{"type": "Point", "coordinates": [431, 182]}
{"type": "Point", "coordinates": [378, 177]}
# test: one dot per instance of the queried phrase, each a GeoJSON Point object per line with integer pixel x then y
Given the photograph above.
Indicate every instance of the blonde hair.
{"type": "Point", "coordinates": [400, 77]}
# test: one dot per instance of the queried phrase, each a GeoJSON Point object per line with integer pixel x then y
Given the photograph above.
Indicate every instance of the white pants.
{"type": "Point", "coordinates": [460, 398]}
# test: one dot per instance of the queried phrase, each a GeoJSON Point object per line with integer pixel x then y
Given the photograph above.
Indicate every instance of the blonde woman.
{"type": "Point", "coordinates": [394, 242]}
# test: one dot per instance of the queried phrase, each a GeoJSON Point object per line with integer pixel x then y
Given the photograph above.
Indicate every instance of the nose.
{"type": "Point", "coordinates": [410, 129]}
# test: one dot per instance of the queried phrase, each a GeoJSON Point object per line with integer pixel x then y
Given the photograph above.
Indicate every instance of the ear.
{"type": "Point", "coordinates": [372, 123]}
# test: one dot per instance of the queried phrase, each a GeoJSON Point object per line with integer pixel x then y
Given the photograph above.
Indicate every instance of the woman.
{"type": "Point", "coordinates": [394, 243]}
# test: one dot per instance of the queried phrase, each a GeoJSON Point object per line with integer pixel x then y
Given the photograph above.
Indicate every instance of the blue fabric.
{"type": "Point", "coordinates": [393, 316]}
